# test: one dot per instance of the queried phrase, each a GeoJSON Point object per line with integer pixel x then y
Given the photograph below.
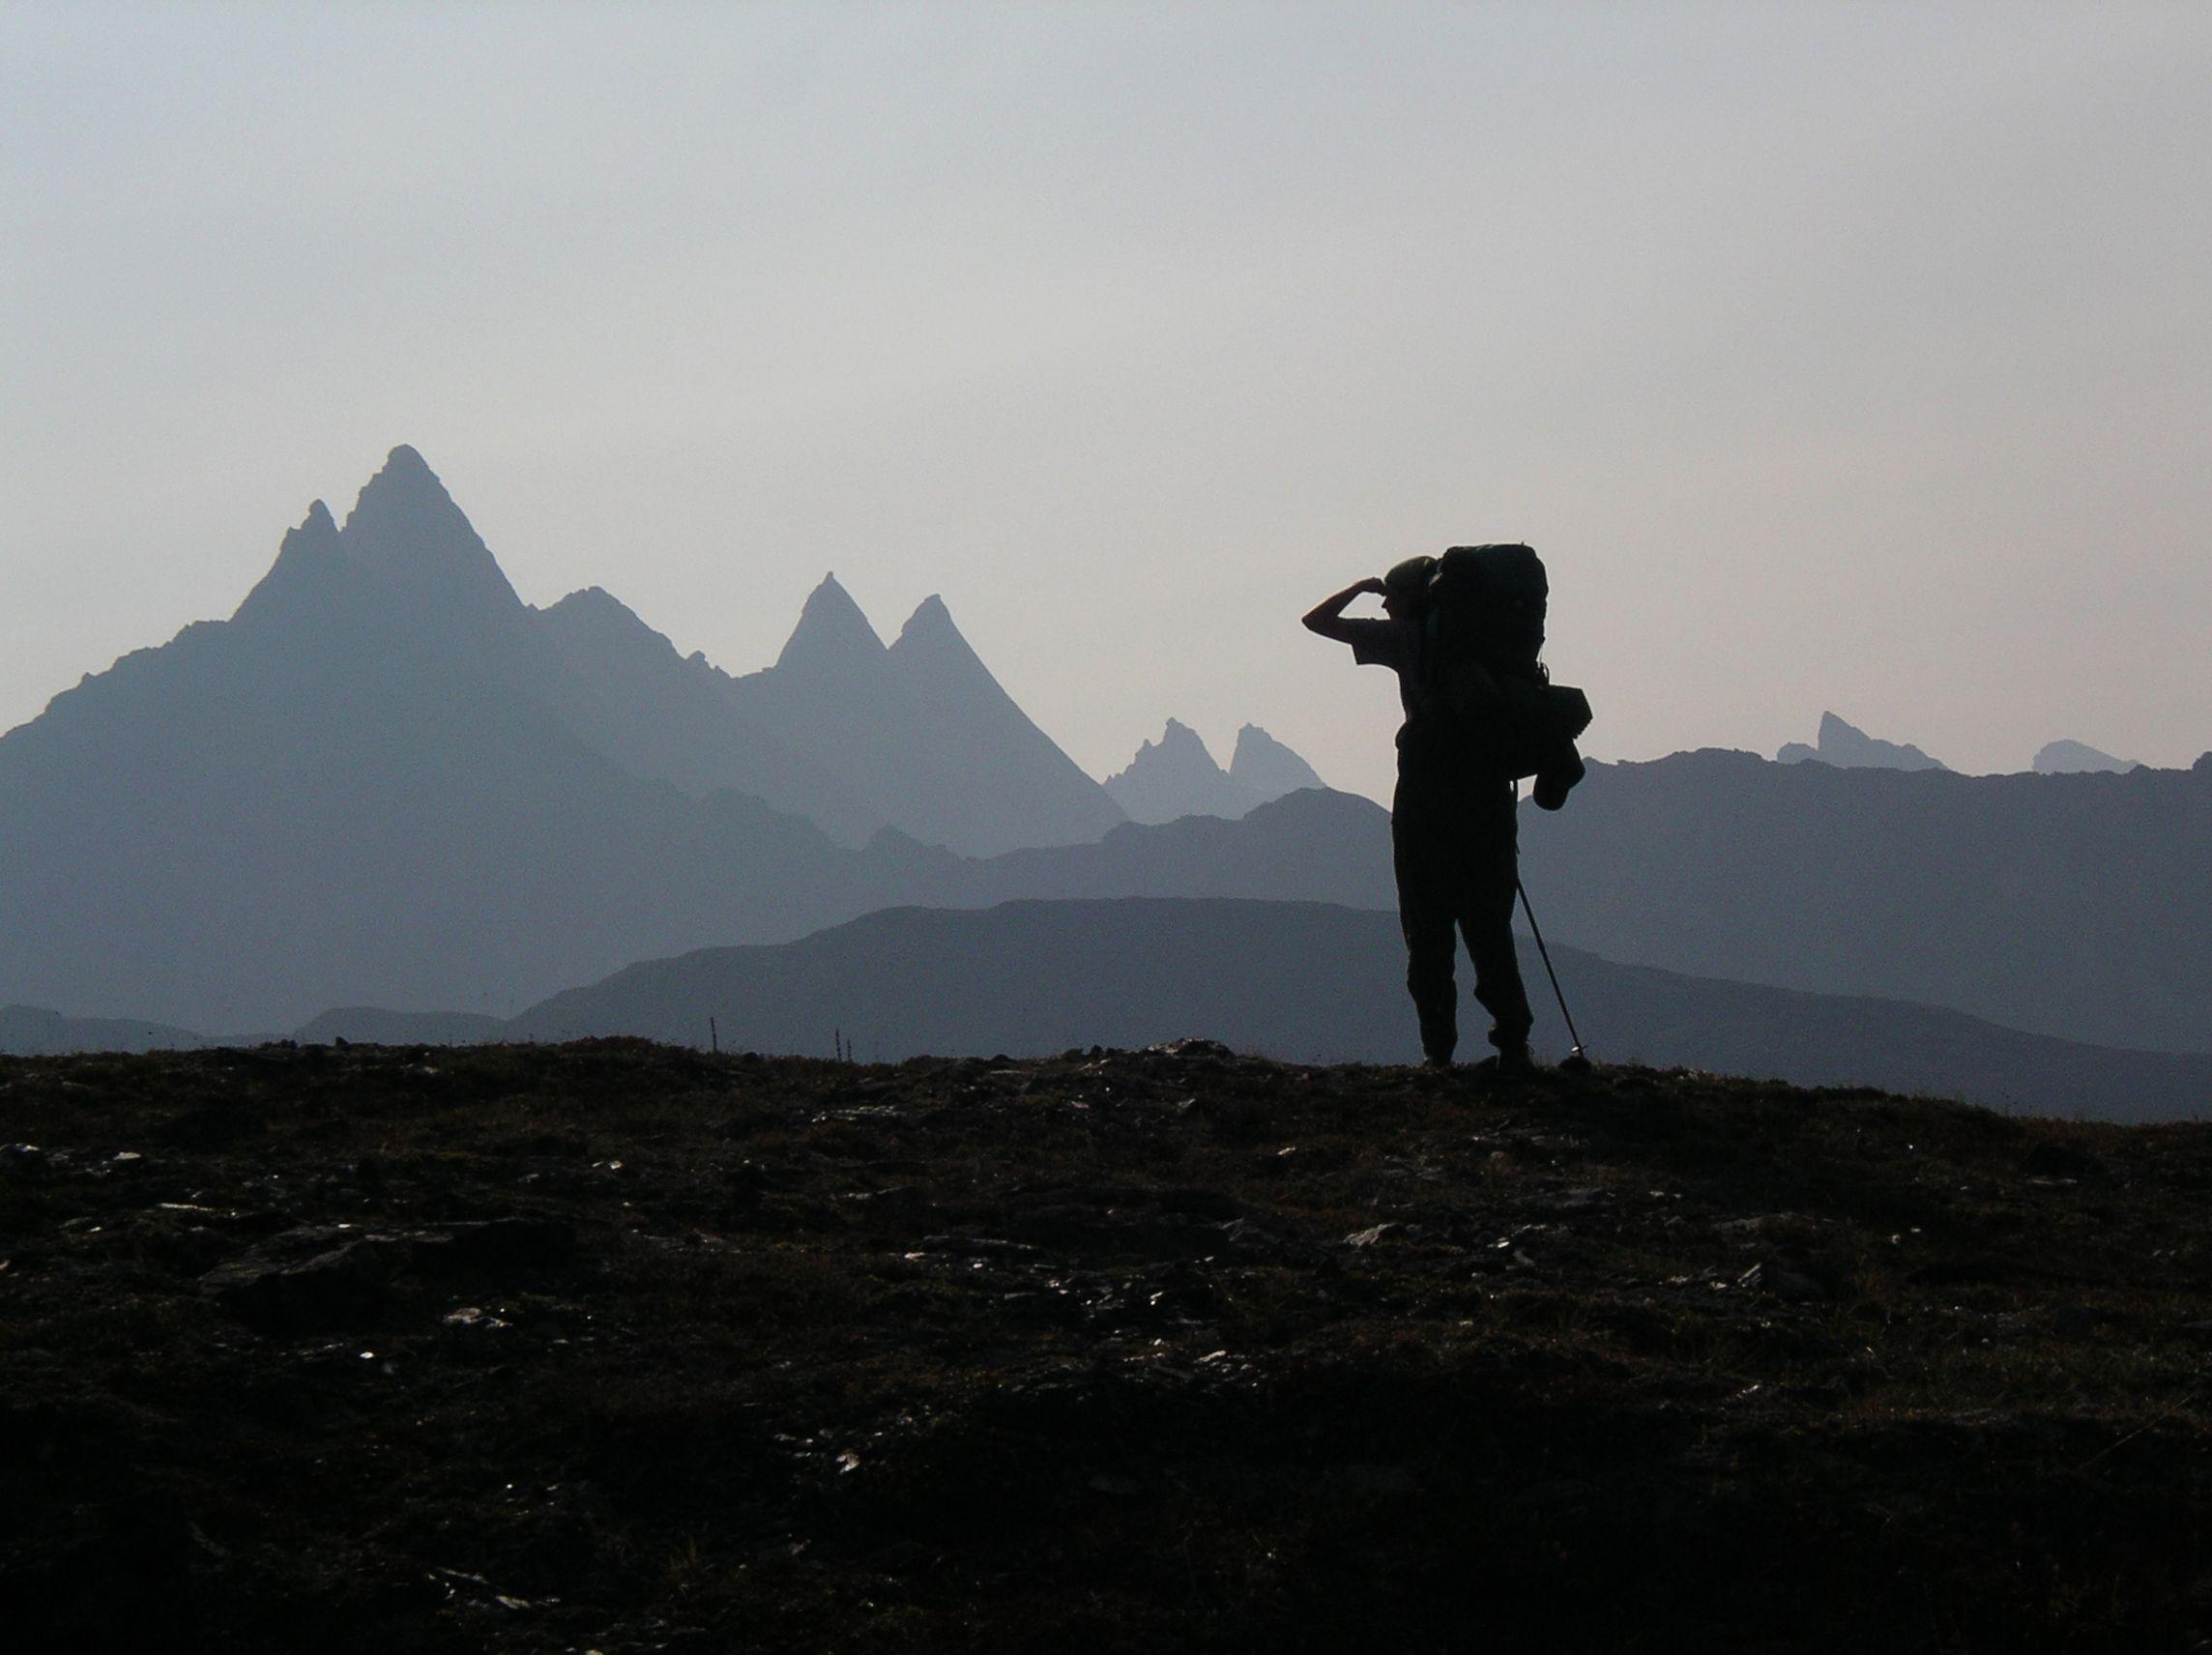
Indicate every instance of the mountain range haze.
{"type": "Point", "coordinates": [386, 781]}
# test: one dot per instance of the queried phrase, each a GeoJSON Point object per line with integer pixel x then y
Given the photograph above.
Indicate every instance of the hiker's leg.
{"type": "Point", "coordinates": [1425, 919]}
{"type": "Point", "coordinates": [1486, 917]}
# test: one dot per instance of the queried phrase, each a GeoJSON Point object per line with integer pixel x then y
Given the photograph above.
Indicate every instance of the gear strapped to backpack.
{"type": "Point", "coordinates": [1482, 673]}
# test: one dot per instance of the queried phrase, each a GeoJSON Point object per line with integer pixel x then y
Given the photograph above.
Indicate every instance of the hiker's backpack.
{"type": "Point", "coordinates": [1483, 643]}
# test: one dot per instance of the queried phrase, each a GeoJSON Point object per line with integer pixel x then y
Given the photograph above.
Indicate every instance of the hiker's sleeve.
{"type": "Point", "coordinates": [1376, 643]}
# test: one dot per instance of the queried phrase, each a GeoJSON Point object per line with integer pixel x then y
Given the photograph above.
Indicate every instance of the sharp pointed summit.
{"type": "Point", "coordinates": [1176, 777]}
{"type": "Point", "coordinates": [1268, 768]}
{"type": "Point", "coordinates": [310, 560]}
{"type": "Point", "coordinates": [931, 641]}
{"type": "Point", "coordinates": [931, 622]}
{"type": "Point", "coordinates": [921, 731]}
{"type": "Point", "coordinates": [407, 528]}
{"type": "Point", "coordinates": [1848, 747]}
{"type": "Point", "coordinates": [831, 632]}
{"type": "Point", "coordinates": [404, 487]}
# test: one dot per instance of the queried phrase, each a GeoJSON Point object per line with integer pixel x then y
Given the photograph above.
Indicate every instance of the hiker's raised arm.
{"type": "Point", "coordinates": [1327, 616]}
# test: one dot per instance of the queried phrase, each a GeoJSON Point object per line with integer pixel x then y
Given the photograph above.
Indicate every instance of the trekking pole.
{"type": "Point", "coordinates": [1576, 1058]}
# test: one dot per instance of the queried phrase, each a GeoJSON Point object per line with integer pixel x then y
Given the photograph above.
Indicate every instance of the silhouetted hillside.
{"type": "Point", "coordinates": [2075, 906]}
{"type": "Point", "coordinates": [1310, 983]}
{"type": "Point", "coordinates": [30, 1030]}
{"type": "Point", "coordinates": [1317, 845]}
{"type": "Point", "coordinates": [373, 1026]}
{"type": "Point", "coordinates": [622, 1347]}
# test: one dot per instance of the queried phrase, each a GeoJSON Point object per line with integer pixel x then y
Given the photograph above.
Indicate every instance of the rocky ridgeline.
{"type": "Point", "coordinates": [619, 1347]}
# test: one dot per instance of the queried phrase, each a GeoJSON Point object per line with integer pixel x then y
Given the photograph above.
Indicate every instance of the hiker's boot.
{"type": "Point", "coordinates": [1512, 1062]}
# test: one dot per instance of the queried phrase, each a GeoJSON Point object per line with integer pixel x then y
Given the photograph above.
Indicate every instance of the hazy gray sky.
{"type": "Point", "coordinates": [1838, 356]}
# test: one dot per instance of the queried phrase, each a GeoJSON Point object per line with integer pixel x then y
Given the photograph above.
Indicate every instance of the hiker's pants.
{"type": "Point", "coordinates": [1454, 847]}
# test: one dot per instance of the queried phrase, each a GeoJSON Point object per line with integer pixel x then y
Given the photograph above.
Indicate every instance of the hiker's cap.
{"type": "Point", "coordinates": [1409, 579]}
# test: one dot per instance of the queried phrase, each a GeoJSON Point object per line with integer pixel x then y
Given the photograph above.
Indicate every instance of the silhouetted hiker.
{"type": "Point", "coordinates": [1463, 633]}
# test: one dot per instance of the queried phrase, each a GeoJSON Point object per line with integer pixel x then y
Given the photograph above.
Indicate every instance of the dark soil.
{"type": "Point", "coordinates": [626, 1347]}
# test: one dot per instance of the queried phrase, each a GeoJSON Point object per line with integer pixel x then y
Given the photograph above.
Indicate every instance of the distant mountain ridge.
{"type": "Point", "coordinates": [1177, 776]}
{"type": "Point", "coordinates": [1304, 981]}
{"type": "Point", "coordinates": [1847, 747]}
{"type": "Point", "coordinates": [921, 731]}
{"type": "Point", "coordinates": [1311, 983]}
{"type": "Point", "coordinates": [2075, 906]}
{"type": "Point", "coordinates": [33, 1031]}
{"type": "Point", "coordinates": [850, 735]}
{"type": "Point", "coordinates": [386, 781]}
{"type": "Point", "coordinates": [2073, 758]}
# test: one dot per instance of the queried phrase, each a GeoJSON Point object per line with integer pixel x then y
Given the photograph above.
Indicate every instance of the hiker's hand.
{"type": "Point", "coordinates": [1373, 584]}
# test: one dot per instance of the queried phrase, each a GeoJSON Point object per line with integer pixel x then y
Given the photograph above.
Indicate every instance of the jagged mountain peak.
{"type": "Point", "coordinates": [1177, 776]}
{"type": "Point", "coordinates": [318, 532]}
{"type": "Point", "coordinates": [404, 483]}
{"type": "Point", "coordinates": [309, 559]}
{"type": "Point", "coordinates": [931, 641]}
{"type": "Point", "coordinates": [591, 600]}
{"type": "Point", "coordinates": [1267, 767]}
{"type": "Point", "coordinates": [1845, 745]}
{"type": "Point", "coordinates": [930, 623]}
{"type": "Point", "coordinates": [595, 613]}
{"type": "Point", "coordinates": [407, 528]}
{"type": "Point", "coordinates": [1180, 743]}
{"type": "Point", "coordinates": [830, 631]}
{"type": "Point", "coordinates": [1178, 733]}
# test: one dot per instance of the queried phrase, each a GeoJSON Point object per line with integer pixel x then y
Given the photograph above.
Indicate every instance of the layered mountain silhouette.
{"type": "Point", "coordinates": [1177, 776]}
{"type": "Point", "coordinates": [850, 735]}
{"type": "Point", "coordinates": [1267, 770]}
{"type": "Point", "coordinates": [2072, 758]}
{"type": "Point", "coordinates": [388, 779]}
{"type": "Point", "coordinates": [921, 731]}
{"type": "Point", "coordinates": [34, 1031]}
{"type": "Point", "coordinates": [1306, 982]}
{"type": "Point", "coordinates": [2075, 906]}
{"type": "Point", "coordinates": [388, 782]}
{"type": "Point", "coordinates": [1848, 747]}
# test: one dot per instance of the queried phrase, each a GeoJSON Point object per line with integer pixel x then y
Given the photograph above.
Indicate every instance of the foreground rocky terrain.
{"type": "Point", "coordinates": [627, 1348]}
